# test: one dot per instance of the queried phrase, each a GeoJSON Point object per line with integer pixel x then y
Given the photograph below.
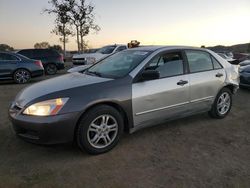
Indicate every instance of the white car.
{"type": "Point", "coordinates": [91, 58]}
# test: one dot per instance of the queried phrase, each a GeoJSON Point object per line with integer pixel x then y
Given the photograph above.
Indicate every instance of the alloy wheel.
{"type": "Point", "coordinates": [223, 104]}
{"type": "Point", "coordinates": [22, 76]}
{"type": "Point", "coordinates": [102, 131]}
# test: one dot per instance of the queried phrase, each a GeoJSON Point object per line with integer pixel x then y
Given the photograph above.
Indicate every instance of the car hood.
{"type": "Point", "coordinates": [78, 68]}
{"type": "Point", "coordinates": [59, 83]}
{"type": "Point", "coordinates": [91, 55]}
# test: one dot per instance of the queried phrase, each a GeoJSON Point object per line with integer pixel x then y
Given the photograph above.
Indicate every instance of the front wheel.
{"type": "Point", "coordinates": [222, 104]}
{"type": "Point", "coordinates": [100, 129]}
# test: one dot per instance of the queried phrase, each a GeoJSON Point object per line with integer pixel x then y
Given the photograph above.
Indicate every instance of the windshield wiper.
{"type": "Point", "coordinates": [94, 73]}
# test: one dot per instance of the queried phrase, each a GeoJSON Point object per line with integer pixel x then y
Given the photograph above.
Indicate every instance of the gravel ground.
{"type": "Point", "coordinates": [193, 152]}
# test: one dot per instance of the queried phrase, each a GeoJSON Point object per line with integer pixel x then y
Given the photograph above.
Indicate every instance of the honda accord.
{"type": "Point", "coordinates": [127, 91]}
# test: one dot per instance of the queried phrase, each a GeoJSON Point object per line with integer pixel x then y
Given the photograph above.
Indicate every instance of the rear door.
{"type": "Point", "coordinates": [8, 64]}
{"type": "Point", "coordinates": [156, 100]}
{"type": "Point", "coordinates": [206, 78]}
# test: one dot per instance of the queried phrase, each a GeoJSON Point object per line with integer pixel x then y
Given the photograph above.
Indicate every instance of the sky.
{"type": "Point", "coordinates": [152, 22]}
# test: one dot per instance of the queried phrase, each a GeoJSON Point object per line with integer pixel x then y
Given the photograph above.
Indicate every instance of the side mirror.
{"type": "Point", "coordinates": [150, 75]}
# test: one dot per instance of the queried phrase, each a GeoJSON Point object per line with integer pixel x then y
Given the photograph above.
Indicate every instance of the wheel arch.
{"type": "Point", "coordinates": [231, 87]}
{"type": "Point", "coordinates": [113, 104]}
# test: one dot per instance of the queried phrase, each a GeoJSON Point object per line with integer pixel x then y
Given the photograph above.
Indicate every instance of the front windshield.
{"type": "Point", "coordinates": [119, 64]}
{"type": "Point", "coordinates": [106, 50]}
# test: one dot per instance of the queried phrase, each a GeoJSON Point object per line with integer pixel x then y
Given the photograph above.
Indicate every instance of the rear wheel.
{"type": "Point", "coordinates": [21, 76]}
{"type": "Point", "coordinates": [50, 69]}
{"type": "Point", "coordinates": [99, 130]}
{"type": "Point", "coordinates": [222, 104]}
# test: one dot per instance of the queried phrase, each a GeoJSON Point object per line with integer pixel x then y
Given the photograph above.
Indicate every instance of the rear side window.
{"type": "Point", "coordinates": [44, 53]}
{"type": "Point", "coordinates": [7, 57]}
{"type": "Point", "coordinates": [39, 53]}
{"type": "Point", "coordinates": [216, 63]}
{"type": "Point", "coordinates": [26, 53]}
{"type": "Point", "coordinates": [168, 64]}
{"type": "Point", "coordinates": [121, 48]}
{"type": "Point", "coordinates": [199, 61]}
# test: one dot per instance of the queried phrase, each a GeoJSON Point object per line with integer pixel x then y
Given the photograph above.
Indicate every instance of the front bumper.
{"type": "Point", "coordinates": [44, 130]}
{"type": "Point", "coordinates": [79, 61]}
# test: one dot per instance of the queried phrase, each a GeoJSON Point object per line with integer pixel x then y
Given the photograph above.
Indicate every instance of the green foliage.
{"type": "Point", "coordinates": [42, 45]}
{"type": "Point", "coordinates": [56, 47]}
{"type": "Point", "coordinates": [5, 47]}
{"type": "Point", "coordinates": [46, 45]}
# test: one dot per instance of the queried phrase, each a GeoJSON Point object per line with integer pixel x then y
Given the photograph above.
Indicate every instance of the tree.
{"type": "Point", "coordinates": [56, 47]}
{"type": "Point", "coordinates": [61, 9]}
{"type": "Point", "coordinates": [134, 44]}
{"type": "Point", "coordinates": [42, 45]}
{"type": "Point", "coordinates": [82, 17]}
{"type": "Point", "coordinates": [5, 47]}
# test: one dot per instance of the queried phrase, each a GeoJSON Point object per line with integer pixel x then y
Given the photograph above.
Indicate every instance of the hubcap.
{"type": "Point", "coordinates": [102, 131]}
{"type": "Point", "coordinates": [22, 76]}
{"type": "Point", "coordinates": [223, 104]}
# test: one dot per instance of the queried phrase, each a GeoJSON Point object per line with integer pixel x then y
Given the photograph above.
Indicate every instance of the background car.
{"type": "Point", "coordinates": [245, 76]}
{"type": "Point", "coordinates": [90, 58]}
{"type": "Point", "coordinates": [51, 59]}
{"type": "Point", "coordinates": [245, 62]}
{"type": "Point", "coordinates": [19, 68]}
{"type": "Point", "coordinates": [230, 59]}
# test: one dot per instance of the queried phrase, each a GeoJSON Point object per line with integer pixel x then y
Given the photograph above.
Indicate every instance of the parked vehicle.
{"type": "Point", "coordinates": [245, 62]}
{"type": "Point", "coordinates": [19, 68]}
{"type": "Point", "coordinates": [51, 59]}
{"type": "Point", "coordinates": [91, 58]}
{"type": "Point", "coordinates": [245, 76]}
{"type": "Point", "coordinates": [129, 90]}
{"type": "Point", "coordinates": [229, 59]}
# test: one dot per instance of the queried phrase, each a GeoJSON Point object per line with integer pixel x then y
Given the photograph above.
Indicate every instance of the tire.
{"type": "Point", "coordinates": [21, 76]}
{"type": "Point", "coordinates": [221, 108]}
{"type": "Point", "coordinates": [50, 69]}
{"type": "Point", "coordinates": [99, 130]}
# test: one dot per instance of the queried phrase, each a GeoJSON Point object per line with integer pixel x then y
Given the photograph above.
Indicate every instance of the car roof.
{"type": "Point", "coordinates": [155, 48]}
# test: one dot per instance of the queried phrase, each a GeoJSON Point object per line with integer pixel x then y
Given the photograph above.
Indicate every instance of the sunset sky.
{"type": "Point", "coordinates": [157, 22]}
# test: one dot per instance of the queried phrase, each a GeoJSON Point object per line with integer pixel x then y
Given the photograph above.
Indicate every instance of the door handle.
{"type": "Point", "coordinates": [182, 82]}
{"type": "Point", "coordinates": [218, 75]}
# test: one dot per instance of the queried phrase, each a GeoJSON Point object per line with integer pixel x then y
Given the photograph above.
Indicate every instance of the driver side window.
{"type": "Point", "coordinates": [168, 64]}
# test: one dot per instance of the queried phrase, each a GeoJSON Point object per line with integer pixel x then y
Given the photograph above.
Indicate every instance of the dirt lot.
{"type": "Point", "coordinates": [193, 152]}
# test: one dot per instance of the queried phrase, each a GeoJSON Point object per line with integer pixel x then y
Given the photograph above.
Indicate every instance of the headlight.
{"type": "Point", "coordinates": [46, 108]}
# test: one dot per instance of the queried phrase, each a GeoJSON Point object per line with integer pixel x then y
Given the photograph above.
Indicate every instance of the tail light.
{"type": "Point", "coordinates": [39, 64]}
{"type": "Point", "coordinates": [61, 59]}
